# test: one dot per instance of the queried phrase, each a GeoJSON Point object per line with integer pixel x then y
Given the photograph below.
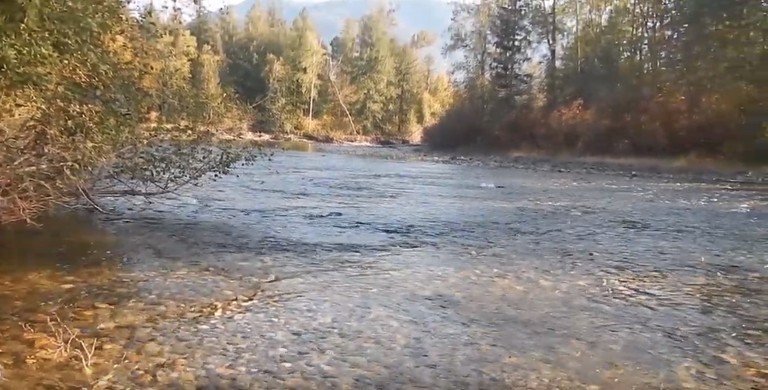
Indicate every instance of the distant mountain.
{"type": "Point", "coordinates": [412, 16]}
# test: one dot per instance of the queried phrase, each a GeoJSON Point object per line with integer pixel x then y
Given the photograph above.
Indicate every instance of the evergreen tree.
{"type": "Point", "coordinates": [509, 32]}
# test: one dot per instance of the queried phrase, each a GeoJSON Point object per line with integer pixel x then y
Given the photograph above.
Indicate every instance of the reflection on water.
{"type": "Point", "coordinates": [332, 271]}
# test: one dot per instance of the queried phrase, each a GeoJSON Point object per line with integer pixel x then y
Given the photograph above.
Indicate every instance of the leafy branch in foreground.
{"type": "Point", "coordinates": [165, 166]}
{"type": "Point", "coordinates": [88, 93]}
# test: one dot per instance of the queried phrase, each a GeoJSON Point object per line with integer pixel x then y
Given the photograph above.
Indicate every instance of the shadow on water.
{"type": "Point", "coordinates": [66, 241]}
{"type": "Point", "coordinates": [58, 285]}
{"type": "Point", "coordinates": [52, 261]}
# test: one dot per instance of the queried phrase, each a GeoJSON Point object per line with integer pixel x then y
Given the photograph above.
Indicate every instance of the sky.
{"type": "Point", "coordinates": [216, 4]}
{"type": "Point", "coordinates": [213, 5]}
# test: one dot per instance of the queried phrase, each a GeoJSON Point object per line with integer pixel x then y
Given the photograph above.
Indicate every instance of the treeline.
{"type": "Point", "coordinates": [363, 82]}
{"type": "Point", "coordinates": [95, 92]}
{"type": "Point", "coordinates": [627, 77]}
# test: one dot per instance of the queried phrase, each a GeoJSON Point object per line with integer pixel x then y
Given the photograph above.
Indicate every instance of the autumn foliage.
{"type": "Point", "coordinates": [660, 127]}
{"type": "Point", "coordinates": [639, 78]}
{"type": "Point", "coordinates": [79, 82]}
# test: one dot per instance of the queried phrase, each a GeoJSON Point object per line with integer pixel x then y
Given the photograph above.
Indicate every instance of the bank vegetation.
{"type": "Point", "coordinates": [661, 78]}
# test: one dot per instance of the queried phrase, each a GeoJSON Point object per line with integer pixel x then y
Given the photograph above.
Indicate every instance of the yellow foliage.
{"type": "Point", "coordinates": [78, 80]}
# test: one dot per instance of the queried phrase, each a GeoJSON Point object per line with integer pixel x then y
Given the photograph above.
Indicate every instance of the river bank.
{"type": "Point", "coordinates": [690, 169]}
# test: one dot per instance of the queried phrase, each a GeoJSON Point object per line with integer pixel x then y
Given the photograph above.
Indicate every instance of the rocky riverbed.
{"type": "Point", "coordinates": [369, 267]}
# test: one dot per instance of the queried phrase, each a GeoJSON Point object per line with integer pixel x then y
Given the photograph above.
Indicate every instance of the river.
{"type": "Point", "coordinates": [329, 270]}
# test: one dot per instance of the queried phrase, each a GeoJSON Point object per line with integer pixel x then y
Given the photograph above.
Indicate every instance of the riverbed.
{"type": "Point", "coordinates": [346, 268]}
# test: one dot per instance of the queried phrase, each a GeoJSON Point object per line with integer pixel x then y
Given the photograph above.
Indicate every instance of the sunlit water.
{"type": "Point", "coordinates": [373, 273]}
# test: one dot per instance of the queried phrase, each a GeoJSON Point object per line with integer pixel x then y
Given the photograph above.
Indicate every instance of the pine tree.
{"type": "Point", "coordinates": [509, 31]}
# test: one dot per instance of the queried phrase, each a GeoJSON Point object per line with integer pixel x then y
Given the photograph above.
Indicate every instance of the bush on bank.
{"type": "Point", "coordinates": [660, 127]}
{"type": "Point", "coordinates": [84, 84]}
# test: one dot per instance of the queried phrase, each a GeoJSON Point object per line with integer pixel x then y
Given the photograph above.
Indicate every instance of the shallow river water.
{"type": "Point", "coordinates": [328, 271]}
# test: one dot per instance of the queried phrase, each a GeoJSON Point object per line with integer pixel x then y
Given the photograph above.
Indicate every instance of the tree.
{"type": "Point", "coordinates": [510, 31]}
{"type": "Point", "coordinates": [296, 77]}
{"type": "Point", "coordinates": [545, 24]}
{"type": "Point", "coordinates": [405, 83]}
{"type": "Point", "coordinates": [469, 35]}
{"type": "Point", "coordinates": [650, 77]}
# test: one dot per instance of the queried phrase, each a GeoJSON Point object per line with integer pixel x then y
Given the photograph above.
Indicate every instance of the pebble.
{"type": "Point", "coordinates": [179, 348]}
{"type": "Point", "coordinates": [358, 361]}
{"type": "Point", "coordinates": [297, 384]}
{"type": "Point", "coordinates": [187, 376]}
{"type": "Point", "coordinates": [151, 349]}
{"type": "Point", "coordinates": [142, 335]}
{"type": "Point", "coordinates": [243, 381]}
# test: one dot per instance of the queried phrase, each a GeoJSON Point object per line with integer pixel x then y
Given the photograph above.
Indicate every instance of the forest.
{"type": "Point", "coordinates": [363, 82]}
{"type": "Point", "coordinates": [610, 77]}
{"type": "Point", "coordinates": [93, 90]}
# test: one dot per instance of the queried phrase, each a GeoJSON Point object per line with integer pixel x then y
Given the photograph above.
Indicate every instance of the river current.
{"type": "Point", "coordinates": [329, 270]}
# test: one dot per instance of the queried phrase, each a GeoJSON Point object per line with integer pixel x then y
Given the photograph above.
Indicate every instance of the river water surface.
{"type": "Point", "coordinates": [331, 271]}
